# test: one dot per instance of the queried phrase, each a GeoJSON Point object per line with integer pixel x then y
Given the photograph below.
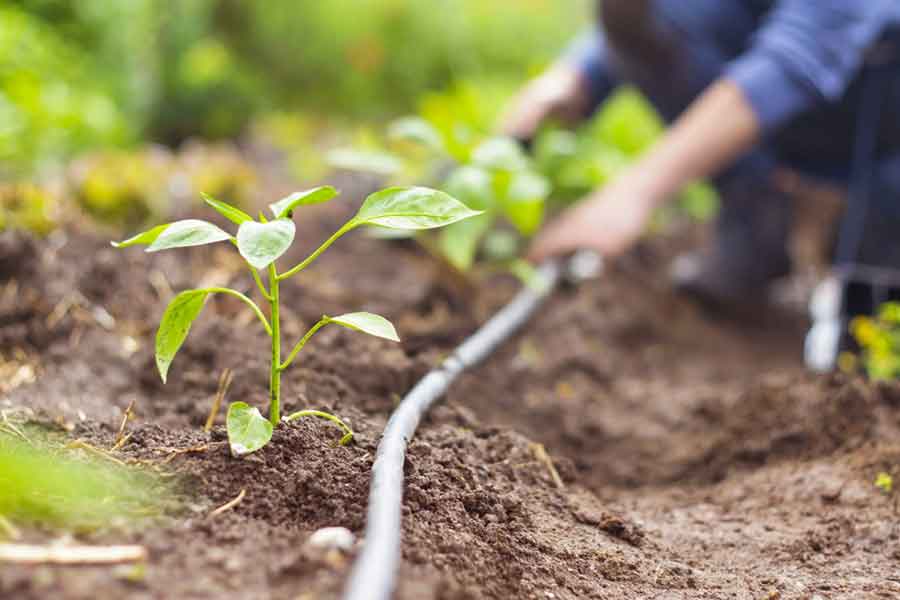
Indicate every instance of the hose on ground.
{"type": "Point", "coordinates": [374, 573]}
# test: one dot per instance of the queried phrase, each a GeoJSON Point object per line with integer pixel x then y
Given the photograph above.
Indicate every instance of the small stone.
{"type": "Point", "coordinates": [332, 538]}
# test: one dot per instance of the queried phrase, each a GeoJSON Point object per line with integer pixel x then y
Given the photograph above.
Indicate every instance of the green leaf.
{"type": "Point", "coordinates": [412, 208]}
{"type": "Point", "coordinates": [232, 213]}
{"type": "Point", "coordinates": [417, 130]}
{"type": "Point", "coordinates": [524, 202]}
{"type": "Point", "coordinates": [248, 431]}
{"type": "Point", "coordinates": [180, 234]}
{"type": "Point", "coordinates": [145, 238]}
{"type": "Point", "coordinates": [175, 325]}
{"type": "Point", "coordinates": [459, 242]}
{"type": "Point", "coordinates": [379, 163]}
{"type": "Point", "coordinates": [501, 245]}
{"type": "Point", "coordinates": [500, 153]}
{"type": "Point", "coordinates": [262, 243]}
{"type": "Point", "coordinates": [367, 323]}
{"type": "Point", "coordinates": [472, 186]}
{"type": "Point", "coordinates": [285, 206]}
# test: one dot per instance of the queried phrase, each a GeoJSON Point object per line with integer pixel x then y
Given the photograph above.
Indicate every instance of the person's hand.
{"type": "Point", "coordinates": [609, 222]}
{"type": "Point", "coordinates": [560, 93]}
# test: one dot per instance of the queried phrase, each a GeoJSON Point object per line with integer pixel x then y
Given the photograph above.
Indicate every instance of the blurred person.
{"type": "Point", "coordinates": [748, 86]}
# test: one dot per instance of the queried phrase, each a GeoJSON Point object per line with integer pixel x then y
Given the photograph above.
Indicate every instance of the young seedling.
{"type": "Point", "coordinates": [261, 243]}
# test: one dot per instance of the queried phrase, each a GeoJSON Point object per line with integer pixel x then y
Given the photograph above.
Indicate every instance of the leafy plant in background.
{"type": "Point", "coordinates": [625, 126]}
{"type": "Point", "coordinates": [27, 207]}
{"type": "Point", "coordinates": [879, 339]}
{"type": "Point", "coordinates": [261, 243]}
{"type": "Point", "coordinates": [491, 175]}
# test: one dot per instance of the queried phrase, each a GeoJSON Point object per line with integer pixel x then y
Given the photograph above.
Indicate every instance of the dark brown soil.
{"type": "Point", "coordinates": [696, 458]}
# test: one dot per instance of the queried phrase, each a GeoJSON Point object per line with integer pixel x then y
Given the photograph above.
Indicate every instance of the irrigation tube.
{"type": "Point", "coordinates": [373, 575]}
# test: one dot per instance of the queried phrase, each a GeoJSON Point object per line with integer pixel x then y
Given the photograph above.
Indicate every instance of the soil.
{"type": "Point", "coordinates": [625, 445]}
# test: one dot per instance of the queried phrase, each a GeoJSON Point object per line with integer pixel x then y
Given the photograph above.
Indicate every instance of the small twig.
{"type": "Point", "coordinates": [230, 504]}
{"type": "Point", "coordinates": [82, 445]}
{"type": "Point", "coordinates": [540, 453]}
{"type": "Point", "coordinates": [121, 438]}
{"type": "Point", "coordinates": [181, 451]}
{"type": "Point", "coordinates": [121, 442]}
{"type": "Point", "coordinates": [8, 529]}
{"type": "Point", "coordinates": [224, 383]}
{"type": "Point", "coordinates": [70, 555]}
{"type": "Point", "coordinates": [8, 426]}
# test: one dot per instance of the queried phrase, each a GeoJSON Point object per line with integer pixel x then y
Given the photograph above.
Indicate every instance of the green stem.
{"type": "Point", "coordinates": [246, 300]}
{"type": "Point", "coordinates": [322, 323]}
{"type": "Point", "coordinates": [296, 269]}
{"type": "Point", "coordinates": [348, 433]}
{"type": "Point", "coordinates": [259, 283]}
{"type": "Point", "coordinates": [274, 371]}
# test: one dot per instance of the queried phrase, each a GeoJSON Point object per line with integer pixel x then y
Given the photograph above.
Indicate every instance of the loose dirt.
{"type": "Point", "coordinates": [624, 446]}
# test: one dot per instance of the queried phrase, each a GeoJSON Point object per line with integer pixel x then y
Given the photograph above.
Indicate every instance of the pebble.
{"type": "Point", "coordinates": [332, 538]}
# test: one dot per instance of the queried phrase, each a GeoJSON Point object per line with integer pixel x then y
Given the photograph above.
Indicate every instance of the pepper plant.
{"type": "Point", "coordinates": [260, 243]}
{"type": "Point", "coordinates": [492, 175]}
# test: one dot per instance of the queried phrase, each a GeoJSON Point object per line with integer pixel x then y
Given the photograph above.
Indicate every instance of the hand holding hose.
{"type": "Point", "coordinates": [609, 221]}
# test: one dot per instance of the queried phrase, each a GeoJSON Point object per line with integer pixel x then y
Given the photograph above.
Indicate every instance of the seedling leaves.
{"type": "Point", "coordinates": [471, 185]}
{"type": "Point", "coordinates": [459, 242]}
{"type": "Point", "coordinates": [417, 130]}
{"type": "Point", "coordinates": [524, 203]}
{"type": "Point", "coordinates": [180, 234]}
{"type": "Point", "coordinates": [175, 325]}
{"type": "Point", "coordinates": [500, 154]}
{"type": "Point", "coordinates": [283, 207]}
{"type": "Point", "coordinates": [365, 161]}
{"type": "Point", "coordinates": [412, 208]}
{"type": "Point", "coordinates": [232, 213]}
{"type": "Point", "coordinates": [248, 431]}
{"type": "Point", "coordinates": [368, 323]}
{"type": "Point", "coordinates": [262, 243]}
{"type": "Point", "coordinates": [145, 238]}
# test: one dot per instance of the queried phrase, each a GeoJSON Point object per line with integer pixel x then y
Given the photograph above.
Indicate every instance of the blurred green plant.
{"type": "Point", "coordinates": [29, 207]}
{"type": "Point", "coordinates": [625, 126]}
{"type": "Point", "coordinates": [126, 188]}
{"type": "Point", "coordinates": [488, 174]}
{"type": "Point", "coordinates": [93, 73]}
{"type": "Point", "coordinates": [879, 340]}
{"type": "Point", "coordinates": [48, 486]}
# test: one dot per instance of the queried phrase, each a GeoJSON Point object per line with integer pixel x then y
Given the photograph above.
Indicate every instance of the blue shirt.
{"type": "Point", "coordinates": [789, 56]}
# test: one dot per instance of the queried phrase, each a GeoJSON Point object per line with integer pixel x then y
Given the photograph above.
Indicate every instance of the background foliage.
{"type": "Point", "coordinates": [92, 73]}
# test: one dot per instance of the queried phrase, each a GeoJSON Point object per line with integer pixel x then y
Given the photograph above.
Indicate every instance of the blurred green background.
{"type": "Point", "coordinates": [80, 74]}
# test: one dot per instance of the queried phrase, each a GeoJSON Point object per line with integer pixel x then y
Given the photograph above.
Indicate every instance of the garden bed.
{"type": "Point", "coordinates": [687, 458]}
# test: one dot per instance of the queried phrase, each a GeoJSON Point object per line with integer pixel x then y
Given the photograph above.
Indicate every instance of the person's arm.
{"type": "Point", "coordinates": [567, 92]}
{"type": "Point", "coordinates": [804, 54]}
{"type": "Point", "coordinates": [718, 127]}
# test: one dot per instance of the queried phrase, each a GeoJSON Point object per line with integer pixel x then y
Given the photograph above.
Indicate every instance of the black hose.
{"type": "Point", "coordinates": [374, 573]}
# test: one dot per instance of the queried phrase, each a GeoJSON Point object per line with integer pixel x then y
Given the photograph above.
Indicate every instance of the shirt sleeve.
{"type": "Point", "coordinates": [588, 55]}
{"type": "Point", "coordinates": [806, 53]}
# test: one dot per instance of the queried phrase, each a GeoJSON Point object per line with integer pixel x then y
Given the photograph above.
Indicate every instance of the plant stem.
{"type": "Point", "coordinates": [296, 269]}
{"type": "Point", "coordinates": [322, 322]}
{"type": "Point", "coordinates": [259, 283]}
{"type": "Point", "coordinates": [275, 371]}
{"type": "Point", "coordinates": [348, 433]}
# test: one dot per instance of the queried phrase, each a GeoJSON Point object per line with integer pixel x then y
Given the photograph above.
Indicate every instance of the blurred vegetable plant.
{"type": "Point", "coordinates": [493, 176]}
{"type": "Point", "coordinates": [260, 243]}
{"type": "Point", "coordinates": [28, 207]}
{"type": "Point", "coordinates": [879, 339]}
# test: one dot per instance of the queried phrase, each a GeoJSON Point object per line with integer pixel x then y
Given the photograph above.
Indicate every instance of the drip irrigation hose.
{"type": "Point", "coordinates": [374, 573]}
